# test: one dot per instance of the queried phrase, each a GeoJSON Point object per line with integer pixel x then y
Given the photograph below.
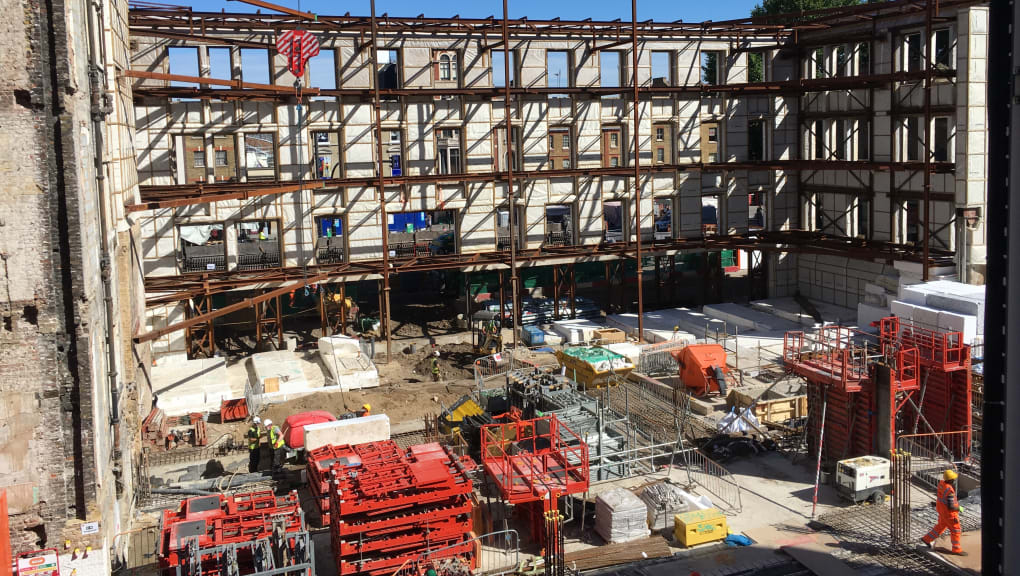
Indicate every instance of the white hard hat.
{"type": "Point", "coordinates": [268, 422]}
{"type": "Point", "coordinates": [256, 419]}
{"type": "Point", "coordinates": [436, 353]}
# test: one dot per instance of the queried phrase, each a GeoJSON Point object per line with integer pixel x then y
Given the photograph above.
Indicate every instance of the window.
{"type": "Point", "coordinates": [260, 156]}
{"type": "Point", "coordinates": [660, 155]}
{"type": "Point", "coordinates": [559, 148]}
{"type": "Point", "coordinates": [610, 69]}
{"type": "Point", "coordinates": [330, 248]}
{"type": "Point", "coordinates": [943, 50]}
{"type": "Point", "coordinates": [192, 157]}
{"type": "Point", "coordinates": [183, 62]}
{"type": "Point", "coordinates": [840, 137]}
{"type": "Point", "coordinates": [199, 158]}
{"type": "Point", "coordinates": [710, 144]}
{"type": "Point", "coordinates": [863, 140]}
{"type": "Point", "coordinates": [662, 68]}
{"type": "Point", "coordinates": [614, 161]}
{"type": "Point", "coordinates": [444, 66]}
{"type": "Point", "coordinates": [225, 158]}
{"type": "Point", "coordinates": [499, 63]}
{"type": "Point", "coordinates": [913, 221]}
{"type": "Point", "coordinates": [662, 146]}
{"type": "Point", "coordinates": [202, 248]}
{"type": "Point", "coordinates": [842, 61]}
{"type": "Point", "coordinates": [756, 140]}
{"type": "Point", "coordinates": [819, 58]}
{"type": "Point", "coordinates": [557, 69]}
{"type": "Point", "coordinates": [326, 147]}
{"type": "Point", "coordinates": [864, 58]}
{"type": "Point", "coordinates": [940, 144]}
{"type": "Point", "coordinates": [613, 219]}
{"type": "Point", "coordinates": [500, 147]}
{"type": "Point", "coordinates": [614, 140]}
{"type": "Point", "coordinates": [258, 245]}
{"type": "Point", "coordinates": [756, 211]}
{"type": "Point", "coordinates": [662, 214]}
{"type": "Point", "coordinates": [819, 138]}
{"type": "Point", "coordinates": [710, 215]}
{"type": "Point", "coordinates": [912, 52]}
{"type": "Point", "coordinates": [711, 67]}
{"type": "Point", "coordinates": [559, 225]}
{"type": "Point", "coordinates": [448, 148]}
{"type": "Point", "coordinates": [322, 70]}
{"type": "Point", "coordinates": [388, 71]}
{"type": "Point", "coordinates": [913, 141]}
{"type": "Point", "coordinates": [660, 134]}
{"type": "Point", "coordinates": [255, 65]}
{"type": "Point", "coordinates": [392, 153]}
{"type": "Point", "coordinates": [422, 233]}
{"type": "Point", "coordinates": [219, 63]}
{"type": "Point", "coordinates": [863, 217]}
{"type": "Point", "coordinates": [221, 158]}
{"type": "Point", "coordinates": [755, 66]}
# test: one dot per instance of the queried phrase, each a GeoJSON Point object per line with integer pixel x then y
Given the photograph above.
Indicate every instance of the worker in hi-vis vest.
{"type": "Point", "coordinates": [948, 508]}
{"type": "Point", "coordinates": [254, 437]}
{"type": "Point", "coordinates": [276, 443]}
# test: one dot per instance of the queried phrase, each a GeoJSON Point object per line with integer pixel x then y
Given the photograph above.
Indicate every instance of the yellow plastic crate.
{"type": "Point", "coordinates": [699, 526]}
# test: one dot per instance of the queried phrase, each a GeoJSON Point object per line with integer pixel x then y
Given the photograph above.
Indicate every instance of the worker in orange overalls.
{"type": "Point", "coordinates": [948, 508]}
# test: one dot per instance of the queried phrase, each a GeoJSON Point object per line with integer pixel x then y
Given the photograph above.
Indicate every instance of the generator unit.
{"type": "Point", "coordinates": [863, 478]}
{"type": "Point", "coordinates": [703, 368]}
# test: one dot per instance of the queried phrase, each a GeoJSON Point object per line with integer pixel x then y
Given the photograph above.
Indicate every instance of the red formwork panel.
{"type": "Point", "coordinates": [945, 404]}
{"type": "Point", "coordinates": [394, 506]}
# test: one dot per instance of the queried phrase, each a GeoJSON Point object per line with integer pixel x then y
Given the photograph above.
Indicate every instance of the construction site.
{"type": "Point", "coordinates": [298, 294]}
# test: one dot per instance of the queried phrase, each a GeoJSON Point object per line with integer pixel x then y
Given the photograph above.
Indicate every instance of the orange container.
{"type": "Point", "coordinates": [698, 364]}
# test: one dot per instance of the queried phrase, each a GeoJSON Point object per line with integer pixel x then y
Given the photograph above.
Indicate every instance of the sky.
{"type": "Point", "coordinates": [662, 10]}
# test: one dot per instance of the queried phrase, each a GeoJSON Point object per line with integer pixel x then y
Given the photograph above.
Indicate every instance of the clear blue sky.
{"type": "Point", "coordinates": [686, 10]}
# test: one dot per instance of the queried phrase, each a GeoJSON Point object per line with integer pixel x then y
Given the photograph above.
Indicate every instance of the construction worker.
{"type": "Point", "coordinates": [276, 443]}
{"type": "Point", "coordinates": [254, 437]}
{"type": "Point", "coordinates": [366, 410]}
{"type": "Point", "coordinates": [435, 366]}
{"type": "Point", "coordinates": [948, 508]}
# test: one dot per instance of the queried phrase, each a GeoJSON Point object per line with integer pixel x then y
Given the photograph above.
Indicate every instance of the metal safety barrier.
{"type": "Point", "coordinates": [933, 453]}
{"type": "Point", "coordinates": [711, 476]}
{"type": "Point", "coordinates": [497, 553]}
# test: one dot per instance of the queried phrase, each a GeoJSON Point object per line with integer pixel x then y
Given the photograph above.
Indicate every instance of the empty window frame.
{"type": "Point", "coordinates": [662, 143]}
{"type": "Point", "coordinates": [662, 68]}
{"type": "Point", "coordinates": [911, 139]}
{"type": "Point", "coordinates": [941, 139]}
{"type": "Point", "coordinates": [911, 52]}
{"type": "Point", "coordinates": [711, 144]}
{"type": "Point", "coordinates": [662, 214]}
{"type": "Point", "coordinates": [840, 136]}
{"type": "Point", "coordinates": [219, 63]}
{"type": "Point", "coordinates": [756, 66]}
{"type": "Point", "coordinates": [712, 66]}
{"type": "Point", "coordinates": [422, 233]}
{"type": "Point", "coordinates": [612, 147]}
{"type": "Point", "coordinates": [503, 227]}
{"type": "Point", "coordinates": [499, 72]}
{"type": "Point", "coordinates": [818, 63]}
{"type": "Point", "coordinates": [326, 157]}
{"type": "Point", "coordinates": [499, 146]}
{"type": "Point", "coordinates": [255, 66]}
{"type": "Point", "coordinates": [260, 156]}
{"type": "Point", "coordinates": [913, 223]}
{"type": "Point", "coordinates": [710, 215]}
{"type": "Point", "coordinates": [611, 69]}
{"type": "Point", "coordinates": [388, 69]}
{"type": "Point", "coordinates": [393, 152]}
{"type": "Point", "coordinates": [862, 136]}
{"type": "Point", "coordinates": [843, 61]}
{"type": "Point", "coordinates": [258, 244]}
{"type": "Point", "coordinates": [818, 137]}
{"type": "Point", "coordinates": [863, 217]}
{"type": "Point", "coordinates": [557, 69]}
{"type": "Point", "coordinates": [194, 158]}
{"type": "Point", "coordinates": [756, 210]}
{"type": "Point", "coordinates": [202, 247]}
{"type": "Point", "coordinates": [225, 158]}
{"type": "Point", "coordinates": [183, 61]}
{"type": "Point", "coordinates": [560, 150]}
{"type": "Point", "coordinates": [943, 57]}
{"type": "Point", "coordinates": [863, 58]}
{"type": "Point", "coordinates": [445, 67]}
{"type": "Point", "coordinates": [756, 139]}
{"type": "Point", "coordinates": [330, 247]}
{"type": "Point", "coordinates": [559, 224]}
{"type": "Point", "coordinates": [322, 71]}
{"type": "Point", "coordinates": [614, 220]}
{"type": "Point", "coordinates": [448, 151]}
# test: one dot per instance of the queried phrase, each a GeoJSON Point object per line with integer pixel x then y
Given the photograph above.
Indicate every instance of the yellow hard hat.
{"type": "Point", "coordinates": [366, 406]}
{"type": "Point", "coordinates": [949, 475]}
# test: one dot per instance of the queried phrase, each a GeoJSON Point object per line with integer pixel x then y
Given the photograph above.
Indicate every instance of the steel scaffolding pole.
{"type": "Point", "coordinates": [637, 170]}
{"type": "Point", "coordinates": [507, 114]}
{"type": "Point", "coordinates": [384, 313]}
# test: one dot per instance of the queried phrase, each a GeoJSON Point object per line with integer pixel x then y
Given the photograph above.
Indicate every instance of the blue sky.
{"type": "Point", "coordinates": [687, 10]}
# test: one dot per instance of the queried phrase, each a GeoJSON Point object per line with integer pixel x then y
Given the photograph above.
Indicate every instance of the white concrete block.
{"type": "Point", "coordinates": [866, 314]}
{"type": "Point", "coordinates": [352, 431]}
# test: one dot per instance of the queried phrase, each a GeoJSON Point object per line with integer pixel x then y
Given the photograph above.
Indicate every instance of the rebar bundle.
{"type": "Point", "coordinates": [899, 464]}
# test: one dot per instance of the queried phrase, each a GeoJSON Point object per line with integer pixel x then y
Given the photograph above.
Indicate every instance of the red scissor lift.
{"type": "Point", "coordinates": [248, 534]}
{"type": "Point", "coordinates": [391, 508]}
{"type": "Point", "coordinates": [534, 463]}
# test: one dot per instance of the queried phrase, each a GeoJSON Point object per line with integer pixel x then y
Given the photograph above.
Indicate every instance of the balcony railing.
{"type": "Point", "coordinates": [203, 263]}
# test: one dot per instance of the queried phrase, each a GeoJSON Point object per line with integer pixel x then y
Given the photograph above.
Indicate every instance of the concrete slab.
{"type": "Point", "coordinates": [280, 375]}
{"type": "Point", "coordinates": [749, 318]}
{"type": "Point", "coordinates": [866, 314]}
{"type": "Point", "coordinates": [576, 331]}
{"type": "Point", "coordinates": [788, 309]}
{"type": "Point", "coordinates": [352, 431]}
{"type": "Point", "coordinates": [182, 386]}
{"type": "Point", "coordinates": [659, 324]}
{"type": "Point", "coordinates": [347, 366]}
{"type": "Point", "coordinates": [953, 322]}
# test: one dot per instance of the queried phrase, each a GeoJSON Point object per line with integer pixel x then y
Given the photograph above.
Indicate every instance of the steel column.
{"type": "Point", "coordinates": [637, 170]}
{"type": "Point", "coordinates": [511, 197]}
{"type": "Point", "coordinates": [384, 305]}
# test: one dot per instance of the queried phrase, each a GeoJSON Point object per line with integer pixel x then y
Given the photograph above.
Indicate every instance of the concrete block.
{"type": "Point", "coordinates": [867, 313]}
{"type": "Point", "coordinates": [373, 428]}
{"type": "Point", "coordinates": [954, 322]}
{"type": "Point", "coordinates": [182, 386]}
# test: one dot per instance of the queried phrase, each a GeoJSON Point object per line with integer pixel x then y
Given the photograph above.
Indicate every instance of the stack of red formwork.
{"type": "Point", "coordinates": [210, 533]}
{"type": "Point", "coordinates": [391, 507]}
{"type": "Point", "coordinates": [320, 461]}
